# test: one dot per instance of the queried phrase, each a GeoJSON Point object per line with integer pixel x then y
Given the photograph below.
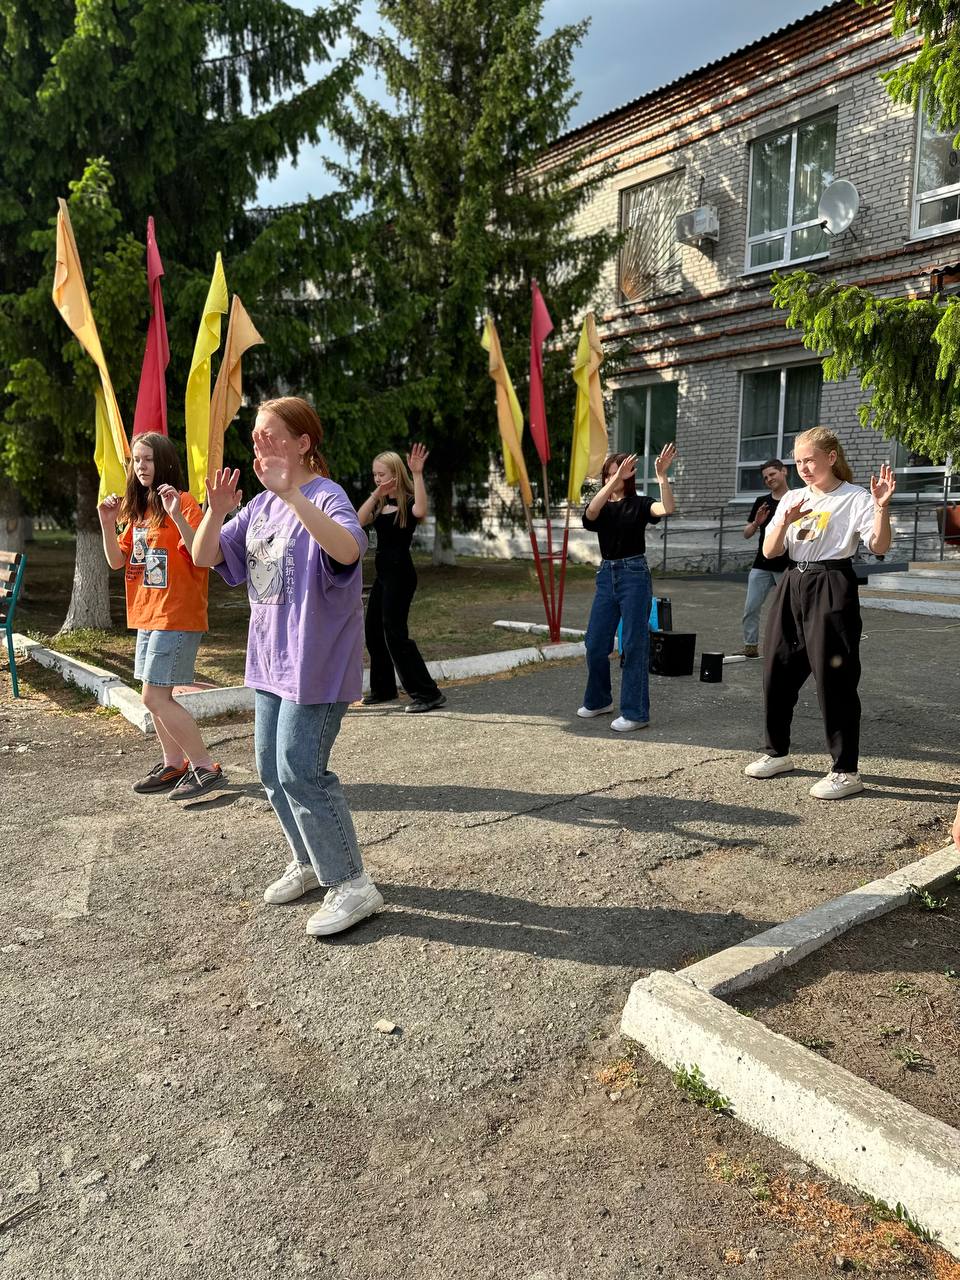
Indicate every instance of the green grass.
{"type": "Point", "coordinates": [452, 614]}
{"type": "Point", "coordinates": [692, 1083]}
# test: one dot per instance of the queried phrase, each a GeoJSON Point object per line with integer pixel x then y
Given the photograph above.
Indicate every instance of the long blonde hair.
{"type": "Point", "coordinates": [825, 439]}
{"type": "Point", "coordinates": [404, 495]}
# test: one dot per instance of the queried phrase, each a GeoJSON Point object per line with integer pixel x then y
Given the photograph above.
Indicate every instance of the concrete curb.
{"type": "Point", "coordinates": [540, 629]}
{"type": "Point", "coordinates": [850, 1129]}
{"type": "Point", "coordinates": [203, 704]}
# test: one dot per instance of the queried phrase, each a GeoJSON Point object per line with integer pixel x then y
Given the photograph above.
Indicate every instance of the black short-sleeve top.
{"type": "Point", "coordinates": [393, 539]}
{"type": "Point", "coordinates": [620, 526]}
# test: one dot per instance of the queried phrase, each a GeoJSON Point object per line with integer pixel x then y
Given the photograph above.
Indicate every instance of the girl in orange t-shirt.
{"type": "Point", "coordinates": [166, 602]}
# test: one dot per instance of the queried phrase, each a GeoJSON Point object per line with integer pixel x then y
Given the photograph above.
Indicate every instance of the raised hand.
{"type": "Point", "coordinates": [170, 499]}
{"type": "Point", "coordinates": [627, 468]}
{"type": "Point", "coordinates": [762, 516]}
{"type": "Point", "coordinates": [108, 509]}
{"type": "Point", "coordinates": [664, 460]}
{"type": "Point", "coordinates": [796, 512]}
{"type": "Point", "coordinates": [884, 488]}
{"type": "Point", "coordinates": [223, 496]}
{"type": "Point", "coordinates": [416, 459]}
{"type": "Point", "coordinates": [273, 463]}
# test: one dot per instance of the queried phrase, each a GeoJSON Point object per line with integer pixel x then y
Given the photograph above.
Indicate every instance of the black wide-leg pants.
{"type": "Point", "coordinates": [387, 637]}
{"type": "Point", "coordinates": [814, 626]}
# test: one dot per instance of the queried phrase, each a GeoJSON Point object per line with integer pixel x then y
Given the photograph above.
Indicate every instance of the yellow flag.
{"type": "Point", "coordinates": [589, 427]}
{"type": "Point", "coordinates": [228, 390]}
{"type": "Point", "coordinates": [509, 416]}
{"type": "Point", "coordinates": [71, 299]}
{"type": "Point", "coordinates": [197, 411]}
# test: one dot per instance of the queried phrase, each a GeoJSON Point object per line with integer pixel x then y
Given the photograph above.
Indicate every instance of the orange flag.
{"type": "Point", "coordinates": [228, 391]}
{"type": "Point", "coordinates": [71, 299]}
{"type": "Point", "coordinates": [509, 415]}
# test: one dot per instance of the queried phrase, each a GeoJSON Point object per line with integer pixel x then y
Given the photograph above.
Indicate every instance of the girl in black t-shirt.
{"type": "Point", "coordinates": [619, 516]}
{"type": "Point", "coordinates": [394, 509]}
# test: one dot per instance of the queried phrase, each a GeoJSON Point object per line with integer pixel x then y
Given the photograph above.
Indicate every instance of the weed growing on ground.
{"type": "Point", "coordinates": [887, 1030]}
{"type": "Point", "coordinates": [692, 1083]}
{"type": "Point", "coordinates": [883, 1213]}
{"type": "Point", "coordinates": [912, 1060]}
{"type": "Point", "coordinates": [951, 973]}
{"type": "Point", "coordinates": [818, 1044]}
{"type": "Point", "coordinates": [925, 900]}
{"type": "Point", "coordinates": [906, 988]}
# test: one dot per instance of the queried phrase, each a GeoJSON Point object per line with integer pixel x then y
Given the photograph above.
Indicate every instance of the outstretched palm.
{"type": "Point", "coordinates": [664, 460]}
{"type": "Point", "coordinates": [223, 496]}
{"type": "Point", "coordinates": [273, 463]}
{"type": "Point", "coordinates": [416, 459]}
{"type": "Point", "coordinates": [883, 488]}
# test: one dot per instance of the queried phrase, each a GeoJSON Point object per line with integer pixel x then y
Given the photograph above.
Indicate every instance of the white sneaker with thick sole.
{"type": "Point", "coordinates": [298, 879]}
{"type": "Point", "coordinates": [837, 785]}
{"type": "Point", "coordinates": [345, 905]}
{"type": "Point", "coordinates": [623, 725]}
{"type": "Point", "coordinates": [586, 714]}
{"type": "Point", "coordinates": [769, 767]}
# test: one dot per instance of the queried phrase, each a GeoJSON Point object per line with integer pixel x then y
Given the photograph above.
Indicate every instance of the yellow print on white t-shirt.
{"type": "Point", "coordinates": [811, 527]}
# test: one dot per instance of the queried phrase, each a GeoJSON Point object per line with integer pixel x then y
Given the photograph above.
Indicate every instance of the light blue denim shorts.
{"type": "Point", "coordinates": [166, 657]}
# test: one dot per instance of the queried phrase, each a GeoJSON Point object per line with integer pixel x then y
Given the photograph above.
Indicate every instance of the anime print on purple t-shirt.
{"type": "Point", "coordinates": [305, 640]}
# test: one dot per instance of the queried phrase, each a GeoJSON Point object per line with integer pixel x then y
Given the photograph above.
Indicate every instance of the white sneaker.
{"type": "Point", "coordinates": [769, 767]}
{"type": "Point", "coordinates": [586, 714]}
{"type": "Point", "coordinates": [623, 725]}
{"type": "Point", "coordinates": [837, 785]}
{"type": "Point", "coordinates": [345, 905]}
{"type": "Point", "coordinates": [298, 879]}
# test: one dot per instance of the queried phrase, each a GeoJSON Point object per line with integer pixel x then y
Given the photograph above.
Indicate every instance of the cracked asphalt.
{"type": "Point", "coordinates": [193, 1088]}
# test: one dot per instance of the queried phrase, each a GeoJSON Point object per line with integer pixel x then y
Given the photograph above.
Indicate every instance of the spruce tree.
{"type": "Point", "coordinates": [465, 212]}
{"type": "Point", "coordinates": [140, 107]}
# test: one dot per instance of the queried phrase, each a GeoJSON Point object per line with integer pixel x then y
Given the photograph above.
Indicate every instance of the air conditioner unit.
{"type": "Point", "coordinates": [698, 224]}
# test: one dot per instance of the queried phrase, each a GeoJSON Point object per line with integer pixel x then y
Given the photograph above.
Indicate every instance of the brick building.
{"type": "Point", "coordinates": [758, 135]}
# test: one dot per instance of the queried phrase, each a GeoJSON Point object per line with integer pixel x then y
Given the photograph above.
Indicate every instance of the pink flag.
{"type": "Point", "coordinates": [540, 327]}
{"type": "Point", "coordinates": [151, 410]}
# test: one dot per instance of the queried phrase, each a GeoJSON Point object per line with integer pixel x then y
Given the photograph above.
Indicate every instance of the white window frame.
{"type": "Point", "coordinates": [747, 495]}
{"type": "Point", "coordinates": [920, 198]}
{"type": "Point", "coordinates": [646, 388]}
{"type": "Point", "coordinates": [791, 227]}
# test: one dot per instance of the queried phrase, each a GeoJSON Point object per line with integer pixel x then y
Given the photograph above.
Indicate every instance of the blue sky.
{"type": "Point", "coordinates": [632, 46]}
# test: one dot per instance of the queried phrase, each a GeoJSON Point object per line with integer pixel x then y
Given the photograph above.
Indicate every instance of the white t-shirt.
{"type": "Point", "coordinates": [837, 522]}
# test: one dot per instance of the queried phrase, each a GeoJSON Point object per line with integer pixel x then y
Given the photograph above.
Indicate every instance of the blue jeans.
{"type": "Point", "coordinates": [292, 741]}
{"type": "Point", "coordinates": [624, 590]}
{"type": "Point", "coordinates": [759, 585]}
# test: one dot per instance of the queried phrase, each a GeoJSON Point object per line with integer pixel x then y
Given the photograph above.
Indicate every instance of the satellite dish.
{"type": "Point", "coordinates": [838, 206]}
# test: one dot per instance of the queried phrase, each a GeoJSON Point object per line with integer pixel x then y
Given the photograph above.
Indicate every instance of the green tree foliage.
{"type": "Point", "coordinates": [141, 107]}
{"type": "Point", "coordinates": [466, 212]}
{"type": "Point", "coordinates": [905, 350]}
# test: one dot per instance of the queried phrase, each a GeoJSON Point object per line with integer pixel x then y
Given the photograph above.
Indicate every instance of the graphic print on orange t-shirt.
{"type": "Point", "coordinates": [165, 589]}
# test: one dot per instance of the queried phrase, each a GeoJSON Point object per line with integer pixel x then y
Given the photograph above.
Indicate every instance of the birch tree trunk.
{"type": "Point", "coordinates": [443, 522]}
{"type": "Point", "coordinates": [13, 530]}
{"type": "Point", "coordinates": [90, 598]}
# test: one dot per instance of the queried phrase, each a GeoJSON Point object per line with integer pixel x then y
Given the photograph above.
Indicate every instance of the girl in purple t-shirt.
{"type": "Point", "coordinates": [298, 547]}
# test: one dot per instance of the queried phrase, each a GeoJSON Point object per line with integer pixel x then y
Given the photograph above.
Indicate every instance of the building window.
{"type": "Point", "coordinates": [917, 476]}
{"type": "Point", "coordinates": [775, 406]}
{"type": "Point", "coordinates": [789, 172]}
{"type": "Point", "coordinates": [646, 421]}
{"type": "Point", "coordinates": [936, 200]}
{"type": "Point", "coordinates": [650, 258]}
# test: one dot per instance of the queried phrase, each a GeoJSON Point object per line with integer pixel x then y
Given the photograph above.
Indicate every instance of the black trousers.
{"type": "Point", "coordinates": [388, 641]}
{"type": "Point", "coordinates": [814, 626]}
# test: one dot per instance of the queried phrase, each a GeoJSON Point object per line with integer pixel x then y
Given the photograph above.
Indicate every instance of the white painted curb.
{"type": "Point", "coordinates": [852, 1130]}
{"type": "Point", "coordinates": [848, 1128]}
{"type": "Point", "coordinates": [206, 703]}
{"type": "Point", "coordinates": [540, 629]}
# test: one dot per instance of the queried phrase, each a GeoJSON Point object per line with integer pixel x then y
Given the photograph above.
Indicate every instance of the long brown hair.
{"type": "Point", "coordinates": [301, 419]}
{"type": "Point", "coordinates": [825, 439]}
{"type": "Point", "coordinates": [138, 502]}
{"type": "Point", "coordinates": [629, 482]}
{"type": "Point", "coordinates": [404, 494]}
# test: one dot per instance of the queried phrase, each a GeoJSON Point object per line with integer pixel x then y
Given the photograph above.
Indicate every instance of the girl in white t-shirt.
{"type": "Point", "coordinates": [814, 623]}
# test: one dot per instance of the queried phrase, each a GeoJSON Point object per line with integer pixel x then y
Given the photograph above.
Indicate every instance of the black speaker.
{"type": "Point", "coordinates": [711, 668]}
{"type": "Point", "coordinates": [671, 653]}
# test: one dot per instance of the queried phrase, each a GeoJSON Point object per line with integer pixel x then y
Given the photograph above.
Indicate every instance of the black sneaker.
{"type": "Point", "coordinates": [373, 699]}
{"type": "Point", "coordinates": [196, 781]}
{"type": "Point", "coordinates": [426, 704]}
{"type": "Point", "coordinates": [161, 778]}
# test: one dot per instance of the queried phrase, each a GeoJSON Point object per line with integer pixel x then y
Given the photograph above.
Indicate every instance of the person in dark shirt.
{"type": "Point", "coordinates": [394, 509]}
{"type": "Point", "coordinates": [619, 516]}
{"type": "Point", "coordinates": [765, 573]}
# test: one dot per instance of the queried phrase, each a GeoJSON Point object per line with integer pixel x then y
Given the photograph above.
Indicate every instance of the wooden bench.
{"type": "Point", "coordinates": [12, 565]}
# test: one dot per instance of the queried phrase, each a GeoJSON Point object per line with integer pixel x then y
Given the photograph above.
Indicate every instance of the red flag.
{"type": "Point", "coordinates": [541, 326]}
{"type": "Point", "coordinates": [151, 410]}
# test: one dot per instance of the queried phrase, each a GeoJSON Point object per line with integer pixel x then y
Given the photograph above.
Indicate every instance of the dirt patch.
{"type": "Point", "coordinates": [883, 1001]}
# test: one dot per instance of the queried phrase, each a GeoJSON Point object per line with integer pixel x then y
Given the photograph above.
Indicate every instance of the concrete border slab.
{"type": "Point", "coordinates": [843, 1125]}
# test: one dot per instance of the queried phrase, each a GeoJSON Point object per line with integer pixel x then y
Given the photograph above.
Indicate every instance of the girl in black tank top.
{"type": "Point", "coordinates": [394, 509]}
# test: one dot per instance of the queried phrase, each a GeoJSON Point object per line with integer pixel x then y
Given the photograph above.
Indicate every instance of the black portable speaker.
{"type": "Point", "coordinates": [671, 653]}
